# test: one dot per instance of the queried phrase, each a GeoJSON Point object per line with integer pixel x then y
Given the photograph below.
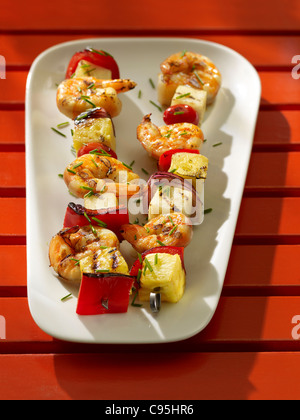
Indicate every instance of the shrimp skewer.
{"type": "Point", "coordinates": [173, 229]}
{"type": "Point", "coordinates": [71, 245]}
{"type": "Point", "coordinates": [157, 140]}
{"type": "Point", "coordinates": [88, 173]}
{"type": "Point", "coordinates": [77, 95]}
{"type": "Point", "coordinates": [188, 68]}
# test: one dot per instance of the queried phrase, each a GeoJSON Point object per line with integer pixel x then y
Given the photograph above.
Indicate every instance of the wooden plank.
{"type": "Point", "coordinates": [12, 171]}
{"type": "Point", "coordinates": [20, 50]}
{"type": "Point", "coordinates": [274, 171]}
{"type": "Point", "coordinates": [123, 17]}
{"type": "Point", "coordinates": [279, 88]}
{"type": "Point", "coordinates": [267, 171]}
{"type": "Point", "coordinates": [274, 128]}
{"type": "Point", "coordinates": [261, 266]}
{"type": "Point", "coordinates": [12, 266]}
{"type": "Point", "coordinates": [196, 376]}
{"type": "Point", "coordinates": [277, 129]}
{"type": "Point", "coordinates": [269, 217]}
{"type": "Point", "coordinates": [12, 214]}
{"type": "Point", "coordinates": [254, 320]}
{"type": "Point", "coordinates": [12, 125]}
{"type": "Point", "coordinates": [12, 89]}
{"type": "Point", "coordinates": [258, 216]}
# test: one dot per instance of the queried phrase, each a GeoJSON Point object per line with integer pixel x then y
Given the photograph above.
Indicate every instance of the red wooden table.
{"type": "Point", "coordinates": [250, 350]}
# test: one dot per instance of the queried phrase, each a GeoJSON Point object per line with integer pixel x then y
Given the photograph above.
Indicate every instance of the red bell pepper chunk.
{"type": "Point", "coordinates": [165, 159]}
{"type": "Point", "coordinates": [98, 148]}
{"type": "Point", "coordinates": [112, 218]}
{"type": "Point", "coordinates": [98, 58]}
{"type": "Point", "coordinates": [104, 293]}
{"type": "Point", "coordinates": [173, 250]}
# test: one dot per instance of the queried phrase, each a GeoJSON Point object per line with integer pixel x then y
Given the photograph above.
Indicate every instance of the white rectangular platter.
{"type": "Point", "coordinates": [230, 121]}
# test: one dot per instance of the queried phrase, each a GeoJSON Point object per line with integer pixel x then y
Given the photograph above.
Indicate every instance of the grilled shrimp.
{"type": "Point", "coordinates": [77, 95]}
{"type": "Point", "coordinates": [156, 140]}
{"type": "Point", "coordinates": [71, 245]}
{"type": "Point", "coordinates": [91, 173]}
{"type": "Point", "coordinates": [174, 229]}
{"type": "Point", "coordinates": [187, 68]}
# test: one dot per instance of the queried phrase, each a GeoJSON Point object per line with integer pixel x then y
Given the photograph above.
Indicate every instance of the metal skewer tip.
{"type": "Point", "coordinates": [155, 302]}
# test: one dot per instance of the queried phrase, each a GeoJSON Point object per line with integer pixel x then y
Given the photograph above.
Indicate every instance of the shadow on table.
{"type": "Point", "coordinates": [206, 366]}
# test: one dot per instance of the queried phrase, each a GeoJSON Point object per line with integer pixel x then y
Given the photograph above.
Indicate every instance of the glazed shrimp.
{"type": "Point", "coordinates": [156, 140]}
{"type": "Point", "coordinates": [174, 229]}
{"type": "Point", "coordinates": [188, 68]}
{"type": "Point", "coordinates": [71, 245]}
{"type": "Point", "coordinates": [92, 173]}
{"type": "Point", "coordinates": [77, 95]}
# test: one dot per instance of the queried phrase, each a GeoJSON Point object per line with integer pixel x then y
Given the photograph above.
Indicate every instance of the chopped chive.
{"type": "Point", "coordinates": [73, 151]}
{"type": "Point", "coordinates": [179, 113]}
{"type": "Point", "coordinates": [198, 77]}
{"type": "Point", "coordinates": [70, 170]}
{"type": "Point", "coordinates": [145, 172]}
{"type": "Point", "coordinates": [77, 261]}
{"type": "Point", "coordinates": [183, 133]}
{"type": "Point", "coordinates": [136, 222]}
{"type": "Point", "coordinates": [64, 124]}
{"type": "Point", "coordinates": [168, 134]}
{"type": "Point", "coordinates": [99, 152]}
{"type": "Point", "coordinates": [72, 132]}
{"type": "Point", "coordinates": [173, 170]}
{"type": "Point", "coordinates": [103, 224]}
{"type": "Point", "coordinates": [148, 264]}
{"type": "Point", "coordinates": [173, 230]}
{"type": "Point", "coordinates": [171, 220]}
{"type": "Point", "coordinates": [137, 305]}
{"type": "Point", "coordinates": [217, 144]}
{"type": "Point", "coordinates": [93, 230]}
{"type": "Point", "coordinates": [66, 297]}
{"type": "Point", "coordinates": [77, 165]}
{"type": "Point", "coordinates": [140, 258]}
{"type": "Point", "coordinates": [183, 95]}
{"type": "Point", "coordinates": [206, 211]}
{"type": "Point", "coordinates": [58, 132]}
{"type": "Point", "coordinates": [102, 52]}
{"type": "Point", "coordinates": [132, 163]}
{"type": "Point", "coordinates": [147, 229]}
{"type": "Point", "coordinates": [86, 188]}
{"type": "Point", "coordinates": [87, 217]}
{"type": "Point", "coordinates": [127, 166]}
{"type": "Point", "coordinates": [95, 163]}
{"type": "Point", "coordinates": [183, 53]}
{"type": "Point", "coordinates": [151, 83]}
{"type": "Point", "coordinates": [102, 270]}
{"type": "Point", "coordinates": [135, 237]}
{"type": "Point", "coordinates": [140, 94]}
{"type": "Point", "coordinates": [103, 247]}
{"type": "Point", "coordinates": [160, 243]}
{"type": "Point", "coordinates": [91, 85]}
{"type": "Point", "coordinates": [156, 259]}
{"type": "Point", "coordinates": [89, 194]}
{"type": "Point", "coordinates": [88, 101]}
{"type": "Point", "coordinates": [157, 106]}
{"type": "Point", "coordinates": [138, 278]}
{"type": "Point", "coordinates": [60, 175]}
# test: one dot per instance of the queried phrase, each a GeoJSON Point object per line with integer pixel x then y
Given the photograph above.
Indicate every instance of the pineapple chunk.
{"type": "Point", "coordinates": [104, 259]}
{"type": "Point", "coordinates": [170, 199]}
{"type": "Point", "coordinates": [190, 166]}
{"type": "Point", "coordinates": [100, 201]}
{"type": "Point", "coordinates": [94, 130]}
{"type": "Point", "coordinates": [195, 98]}
{"type": "Point", "coordinates": [167, 275]}
{"type": "Point", "coordinates": [86, 69]}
